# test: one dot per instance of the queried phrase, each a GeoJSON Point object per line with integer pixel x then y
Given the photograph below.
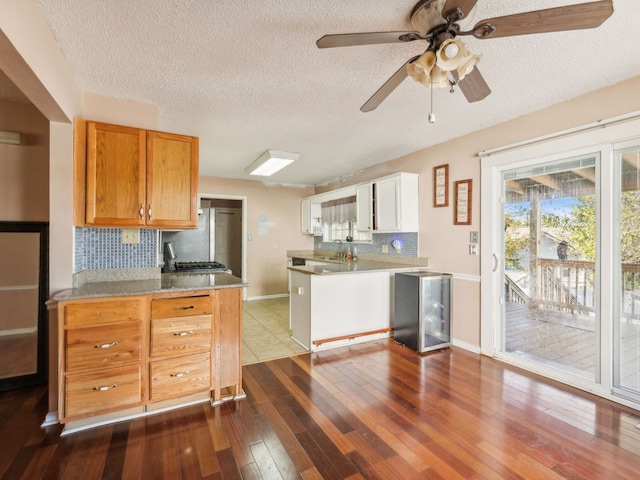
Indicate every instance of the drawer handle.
{"type": "Point", "coordinates": [106, 345]}
{"type": "Point", "coordinates": [105, 388]}
{"type": "Point", "coordinates": [185, 308]}
{"type": "Point", "coordinates": [179, 374]}
{"type": "Point", "coordinates": [183, 334]}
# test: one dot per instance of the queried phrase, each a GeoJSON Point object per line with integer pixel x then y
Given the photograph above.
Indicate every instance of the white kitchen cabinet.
{"type": "Point", "coordinates": [310, 216]}
{"type": "Point", "coordinates": [388, 204]}
{"type": "Point", "coordinates": [332, 310]}
{"type": "Point", "coordinates": [364, 207]}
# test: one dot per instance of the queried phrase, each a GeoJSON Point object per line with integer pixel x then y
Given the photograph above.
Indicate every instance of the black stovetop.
{"type": "Point", "coordinates": [203, 267]}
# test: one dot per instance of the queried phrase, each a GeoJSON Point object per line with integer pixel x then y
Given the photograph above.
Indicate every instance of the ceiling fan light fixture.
{"type": "Point", "coordinates": [451, 54]}
{"type": "Point", "coordinates": [467, 65]}
{"type": "Point", "coordinates": [270, 162]}
{"type": "Point", "coordinates": [420, 69]}
{"type": "Point", "coordinates": [439, 78]}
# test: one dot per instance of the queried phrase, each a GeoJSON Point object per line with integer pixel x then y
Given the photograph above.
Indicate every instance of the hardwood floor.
{"type": "Point", "coordinates": [373, 410]}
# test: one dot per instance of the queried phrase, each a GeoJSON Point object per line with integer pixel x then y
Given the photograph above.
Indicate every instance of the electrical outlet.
{"type": "Point", "coordinates": [130, 235]}
{"type": "Point", "coordinates": [473, 249]}
{"type": "Point", "coordinates": [385, 248]}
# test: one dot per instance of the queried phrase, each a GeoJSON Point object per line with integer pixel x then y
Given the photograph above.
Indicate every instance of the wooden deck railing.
{"type": "Point", "coordinates": [567, 285]}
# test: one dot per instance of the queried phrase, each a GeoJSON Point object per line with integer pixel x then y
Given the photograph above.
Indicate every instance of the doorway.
{"type": "Point", "coordinates": [225, 223]}
{"type": "Point", "coordinates": [228, 227]}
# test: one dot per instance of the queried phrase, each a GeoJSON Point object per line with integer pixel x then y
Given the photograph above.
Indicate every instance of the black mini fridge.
{"type": "Point", "coordinates": [422, 310]}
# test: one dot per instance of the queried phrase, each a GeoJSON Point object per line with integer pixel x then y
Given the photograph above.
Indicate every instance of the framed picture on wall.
{"type": "Point", "coordinates": [441, 186]}
{"type": "Point", "coordinates": [462, 202]}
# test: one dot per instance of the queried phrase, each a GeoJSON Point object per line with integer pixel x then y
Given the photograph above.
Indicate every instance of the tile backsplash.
{"type": "Point", "coordinates": [102, 248]}
{"type": "Point", "coordinates": [408, 242]}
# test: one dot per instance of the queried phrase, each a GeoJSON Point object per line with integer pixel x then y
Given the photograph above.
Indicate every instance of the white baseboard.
{"type": "Point", "coordinates": [50, 419]}
{"type": "Point", "coordinates": [466, 346]}
{"type": "Point", "coordinates": [268, 297]}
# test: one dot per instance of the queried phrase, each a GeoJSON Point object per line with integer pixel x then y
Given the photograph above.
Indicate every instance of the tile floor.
{"type": "Point", "coordinates": [265, 331]}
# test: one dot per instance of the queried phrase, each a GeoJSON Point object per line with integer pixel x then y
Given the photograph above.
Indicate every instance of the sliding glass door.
{"type": "Point", "coordinates": [549, 270]}
{"type": "Point", "coordinates": [560, 260]}
{"type": "Point", "coordinates": [627, 242]}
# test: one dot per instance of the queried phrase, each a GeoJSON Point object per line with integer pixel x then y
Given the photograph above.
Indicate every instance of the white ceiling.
{"type": "Point", "coordinates": [247, 76]}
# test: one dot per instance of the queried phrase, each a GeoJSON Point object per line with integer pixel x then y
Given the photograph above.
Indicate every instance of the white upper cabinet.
{"type": "Point", "coordinates": [364, 205]}
{"type": "Point", "coordinates": [389, 204]}
{"type": "Point", "coordinates": [310, 219]}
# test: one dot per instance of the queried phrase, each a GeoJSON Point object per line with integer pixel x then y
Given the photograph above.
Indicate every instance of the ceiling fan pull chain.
{"type": "Point", "coordinates": [432, 116]}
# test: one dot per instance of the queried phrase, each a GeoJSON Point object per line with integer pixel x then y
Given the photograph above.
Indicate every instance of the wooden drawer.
{"type": "Point", "coordinates": [97, 313]}
{"type": "Point", "coordinates": [103, 346]}
{"type": "Point", "coordinates": [181, 307]}
{"type": "Point", "coordinates": [177, 377]}
{"type": "Point", "coordinates": [182, 335]}
{"type": "Point", "coordinates": [109, 390]}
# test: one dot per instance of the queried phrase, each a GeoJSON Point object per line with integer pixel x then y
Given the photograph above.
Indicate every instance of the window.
{"type": "Point", "coordinates": [339, 221]}
{"type": "Point", "coordinates": [340, 231]}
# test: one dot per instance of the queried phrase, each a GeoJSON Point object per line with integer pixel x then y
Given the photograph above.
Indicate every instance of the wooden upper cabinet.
{"type": "Point", "coordinates": [135, 177]}
{"type": "Point", "coordinates": [172, 180]}
{"type": "Point", "coordinates": [116, 166]}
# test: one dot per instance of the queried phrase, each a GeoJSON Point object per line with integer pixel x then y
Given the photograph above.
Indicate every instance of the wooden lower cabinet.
{"type": "Point", "coordinates": [228, 344]}
{"type": "Point", "coordinates": [179, 377]}
{"type": "Point", "coordinates": [119, 353]}
{"type": "Point", "coordinates": [91, 393]}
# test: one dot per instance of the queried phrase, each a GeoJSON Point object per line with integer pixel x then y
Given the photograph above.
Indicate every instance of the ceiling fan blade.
{"type": "Point", "coordinates": [571, 17]}
{"type": "Point", "coordinates": [473, 85]}
{"type": "Point", "coordinates": [465, 5]}
{"type": "Point", "coordinates": [387, 87]}
{"type": "Point", "coordinates": [352, 39]}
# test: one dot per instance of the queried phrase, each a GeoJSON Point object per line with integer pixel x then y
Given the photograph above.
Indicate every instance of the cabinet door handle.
{"type": "Point", "coordinates": [104, 388]}
{"type": "Point", "coordinates": [141, 211]}
{"type": "Point", "coordinates": [149, 211]}
{"type": "Point", "coordinates": [106, 345]}
{"type": "Point", "coordinates": [185, 308]}
{"type": "Point", "coordinates": [183, 334]}
{"type": "Point", "coordinates": [180, 374]}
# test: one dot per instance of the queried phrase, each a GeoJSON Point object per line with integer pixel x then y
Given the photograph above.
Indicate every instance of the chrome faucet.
{"type": "Point", "coordinates": [340, 252]}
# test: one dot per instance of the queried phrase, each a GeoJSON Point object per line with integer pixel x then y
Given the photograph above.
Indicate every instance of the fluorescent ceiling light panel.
{"type": "Point", "coordinates": [10, 138]}
{"type": "Point", "coordinates": [270, 162]}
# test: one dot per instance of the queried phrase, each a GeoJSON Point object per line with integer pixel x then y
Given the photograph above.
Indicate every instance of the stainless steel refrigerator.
{"type": "Point", "coordinates": [422, 310]}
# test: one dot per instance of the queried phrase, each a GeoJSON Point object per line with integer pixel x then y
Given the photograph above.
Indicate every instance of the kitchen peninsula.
{"type": "Point", "coordinates": [336, 302]}
{"type": "Point", "coordinates": [127, 348]}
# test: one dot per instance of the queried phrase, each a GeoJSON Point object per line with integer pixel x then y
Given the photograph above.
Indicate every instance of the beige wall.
{"type": "Point", "coordinates": [273, 221]}
{"type": "Point", "coordinates": [24, 169]}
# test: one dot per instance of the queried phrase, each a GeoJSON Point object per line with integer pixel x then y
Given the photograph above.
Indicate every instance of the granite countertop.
{"type": "Point", "coordinates": [331, 264]}
{"type": "Point", "coordinates": [167, 283]}
{"type": "Point", "coordinates": [353, 267]}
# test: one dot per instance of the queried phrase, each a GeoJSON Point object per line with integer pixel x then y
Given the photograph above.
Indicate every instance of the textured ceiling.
{"type": "Point", "coordinates": [247, 76]}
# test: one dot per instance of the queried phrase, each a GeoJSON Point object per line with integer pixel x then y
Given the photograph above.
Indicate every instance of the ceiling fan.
{"type": "Point", "coordinates": [447, 61]}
